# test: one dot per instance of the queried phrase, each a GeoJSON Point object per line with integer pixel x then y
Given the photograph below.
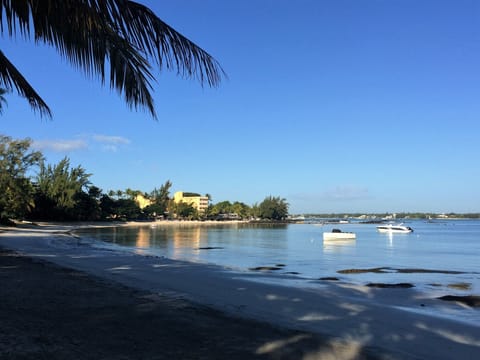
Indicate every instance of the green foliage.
{"type": "Point", "coordinates": [127, 209]}
{"type": "Point", "coordinates": [87, 206]}
{"type": "Point", "coordinates": [132, 194]}
{"type": "Point", "coordinates": [273, 208]}
{"type": "Point", "coordinates": [60, 191]}
{"type": "Point", "coordinates": [64, 193]}
{"type": "Point", "coordinates": [226, 207]}
{"type": "Point", "coordinates": [161, 200]}
{"type": "Point", "coordinates": [223, 207]}
{"type": "Point", "coordinates": [241, 209]}
{"type": "Point", "coordinates": [185, 211]}
{"type": "Point", "coordinates": [118, 209]}
{"type": "Point", "coordinates": [16, 190]}
{"type": "Point", "coordinates": [255, 211]}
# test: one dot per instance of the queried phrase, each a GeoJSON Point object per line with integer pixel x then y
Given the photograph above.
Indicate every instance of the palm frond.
{"type": "Point", "coordinates": [121, 34]}
{"type": "Point", "coordinates": [168, 47]}
{"type": "Point", "coordinates": [11, 78]}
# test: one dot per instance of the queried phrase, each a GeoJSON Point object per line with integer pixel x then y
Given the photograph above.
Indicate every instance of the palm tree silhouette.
{"type": "Point", "coordinates": [115, 40]}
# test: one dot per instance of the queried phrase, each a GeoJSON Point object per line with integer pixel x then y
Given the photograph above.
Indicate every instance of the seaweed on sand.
{"type": "Point", "coordinates": [470, 300]}
{"type": "Point", "coordinates": [391, 286]}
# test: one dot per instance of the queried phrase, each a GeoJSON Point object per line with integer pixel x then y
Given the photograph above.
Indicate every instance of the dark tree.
{"type": "Point", "coordinates": [273, 208]}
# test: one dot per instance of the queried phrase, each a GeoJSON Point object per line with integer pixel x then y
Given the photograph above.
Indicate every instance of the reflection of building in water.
{"type": "Point", "coordinates": [337, 246]}
{"type": "Point", "coordinates": [143, 238]}
{"type": "Point", "coordinates": [187, 238]}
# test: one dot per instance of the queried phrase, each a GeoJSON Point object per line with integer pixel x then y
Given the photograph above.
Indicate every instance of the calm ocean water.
{"type": "Point", "coordinates": [444, 246]}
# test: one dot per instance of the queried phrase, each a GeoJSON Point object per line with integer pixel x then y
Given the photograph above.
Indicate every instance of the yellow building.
{"type": "Point", "coordinates": [142, 201]}
{"type": "Point", "coordinates": [196, 200]}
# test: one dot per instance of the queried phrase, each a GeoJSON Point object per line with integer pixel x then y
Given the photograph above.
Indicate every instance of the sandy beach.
{"type": "Point", "coordinates": [65, 298]}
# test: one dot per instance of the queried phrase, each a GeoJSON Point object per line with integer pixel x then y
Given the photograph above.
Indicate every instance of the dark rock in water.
{"type": "Point", "coordinates": [398, 285]}
{"type": "Point", "coordinates": [264, 268]}
{"type": "Point", "coordinates": [209, 248]}
{"type": "Point", "coordinates": [329, 278]}
{"type": "Point", "coordinates": [470, 300]}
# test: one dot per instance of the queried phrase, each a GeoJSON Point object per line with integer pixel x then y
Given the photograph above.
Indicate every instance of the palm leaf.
{"type": "Point", "coordinates": [120, 34]}
{"type": "Point", "coordinates": [11, 78]}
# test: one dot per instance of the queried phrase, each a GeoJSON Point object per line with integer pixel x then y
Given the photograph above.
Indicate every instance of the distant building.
{"type": "Point", "coordinates": [142, 201]}
{"type": "Point", "coordinates": [198, 201]}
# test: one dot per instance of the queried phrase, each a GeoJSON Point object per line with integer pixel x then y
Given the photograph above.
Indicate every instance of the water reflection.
{"type": "Point", "coordinates": [455, 246]}
{"type": "Point", "coordinates": [339, 245]}
{"type": "Point", "coordinates": [181, 240]}
{"type": "Point", "coordinates": [143, 238]}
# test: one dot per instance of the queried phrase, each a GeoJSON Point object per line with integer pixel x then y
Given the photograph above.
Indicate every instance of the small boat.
{"type": "Point", "coordinates": [338, 234]}
{"type": "Point", "coordinates": [392, 228]}
{"type": "Point", "coordinates": [299, 218]}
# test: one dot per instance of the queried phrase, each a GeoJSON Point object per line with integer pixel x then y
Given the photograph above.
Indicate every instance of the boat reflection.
{"type": "Point", "coordinates": [338, 245]}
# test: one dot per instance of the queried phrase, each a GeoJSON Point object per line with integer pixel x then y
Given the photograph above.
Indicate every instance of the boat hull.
{"type": "Point", "coordinates": [394, 229]}
{"type": "Point", "coordinates": [338, 236]}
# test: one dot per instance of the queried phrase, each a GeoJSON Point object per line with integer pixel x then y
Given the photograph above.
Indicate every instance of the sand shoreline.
{"type": "Point", "coordinates": [75, 316]}
{"type": "Point", "coordinates": [364, 317]}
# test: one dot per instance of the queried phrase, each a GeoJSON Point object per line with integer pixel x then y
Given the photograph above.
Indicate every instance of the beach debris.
{"type": "Point", "coordinates": [470, 300]}
{"type": "Point", "coordinates": [391, 286]}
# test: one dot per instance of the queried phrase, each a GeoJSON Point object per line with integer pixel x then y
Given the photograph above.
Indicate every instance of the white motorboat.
{"type": "Point", "coordinates": [337, 234]}
{"type": "Point", "coordinates": [393, 228]}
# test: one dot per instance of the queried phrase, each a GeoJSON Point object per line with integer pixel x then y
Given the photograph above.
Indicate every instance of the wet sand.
{"type": "Point", "coordinates": [49, 312]}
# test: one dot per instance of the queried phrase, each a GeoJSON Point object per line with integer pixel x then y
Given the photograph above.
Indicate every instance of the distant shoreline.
{"type": "Point", "coordinates": [153, 223]}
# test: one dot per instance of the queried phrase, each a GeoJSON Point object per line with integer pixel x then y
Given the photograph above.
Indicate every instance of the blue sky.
{"type": "Point", "coordinates": [334, 105]}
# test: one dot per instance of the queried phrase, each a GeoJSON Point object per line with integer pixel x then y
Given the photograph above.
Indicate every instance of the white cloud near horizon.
{"type": "Point", "coordinates": [107, 139]}
{"type": "Point", "coordinates": [108, 143]}
{"type": "Point", "coordinates": [60, 145]}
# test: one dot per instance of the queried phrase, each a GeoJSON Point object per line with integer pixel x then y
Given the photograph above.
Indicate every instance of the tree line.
{"type": "Point", "coordinates": [31, 189]}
